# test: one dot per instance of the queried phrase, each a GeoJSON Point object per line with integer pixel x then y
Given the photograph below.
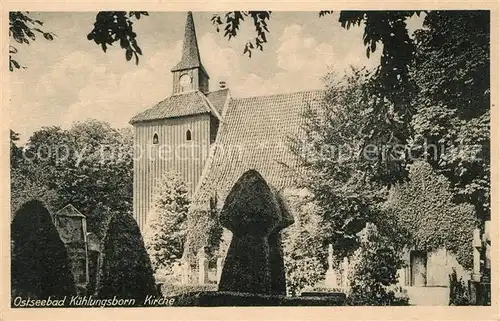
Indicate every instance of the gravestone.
{"type": "Point", "coordinates": [219, 269]}
{"type": "Point", "coordinates": [254, 262]}
{"type": "Point", "coordinates": [72, 228]}
{"type": "Point", "coordinates": [331, 274]}
{"type": "Point", "coordinates": [186, 272]}
{"type": "Point", "coordinates": [202, 267]}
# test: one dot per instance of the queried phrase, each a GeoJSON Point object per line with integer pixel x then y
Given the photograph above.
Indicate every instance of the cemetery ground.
{"type": "Point", "coordinates": [57, 262]}
{"type": "Point", "coordinates": [253, 273]}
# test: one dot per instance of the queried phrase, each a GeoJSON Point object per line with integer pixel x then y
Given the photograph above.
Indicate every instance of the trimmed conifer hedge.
{"type": "Point", "coordinates": [40, 265]}
{"type": "Point", "coordinates": [226, 298]}
{"type": "Point", "coordinates": [126, 270]}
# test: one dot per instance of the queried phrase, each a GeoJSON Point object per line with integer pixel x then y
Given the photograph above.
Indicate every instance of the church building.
{"type": "Point", "coordinates": [211, 138]}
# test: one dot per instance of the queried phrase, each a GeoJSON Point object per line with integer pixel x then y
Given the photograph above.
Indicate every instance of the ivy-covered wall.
{"type": "Point", "coordinates": [423, 206]}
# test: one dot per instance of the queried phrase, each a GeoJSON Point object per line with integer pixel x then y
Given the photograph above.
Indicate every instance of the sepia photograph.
{"type": "Point", "coordinates": [249, 158]}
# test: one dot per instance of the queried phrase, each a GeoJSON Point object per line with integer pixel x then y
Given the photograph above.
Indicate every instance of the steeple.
{"type": "Point", "coordinates": [189, 73]}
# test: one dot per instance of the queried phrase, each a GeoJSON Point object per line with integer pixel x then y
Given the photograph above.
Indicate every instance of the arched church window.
{"type": "Point", "coordinates": [188, 135]}
{"type": "Point", "coordinates": [155, 139]}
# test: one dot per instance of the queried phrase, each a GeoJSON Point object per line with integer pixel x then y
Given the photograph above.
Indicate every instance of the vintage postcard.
{"type": "Point", "coordinates": [184, 159]}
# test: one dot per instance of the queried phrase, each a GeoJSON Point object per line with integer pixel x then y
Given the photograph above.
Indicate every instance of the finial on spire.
{"type": "Point", "coordinates": [190, 52]}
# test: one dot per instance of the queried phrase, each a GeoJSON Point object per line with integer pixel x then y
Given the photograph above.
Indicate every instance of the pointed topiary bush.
{"type": "Point", "coordinates": [126, 270]}
{"type": "Point", "coordinates": [39, 262]}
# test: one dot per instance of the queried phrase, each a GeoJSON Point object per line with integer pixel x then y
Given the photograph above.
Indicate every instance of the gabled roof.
{"type": "Point", "coordinates": [255, 135]}
{"type": "Point", "coordinates": [218, 99]}
{"type": "Point", "coordinates": [190, 52]}
{"type": "Point", "coordinates": [189, 103]}
{"type": "Point", "coordinates": [69, 210]}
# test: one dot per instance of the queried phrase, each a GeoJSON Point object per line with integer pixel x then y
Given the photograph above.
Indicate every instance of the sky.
{"type": "Point", "coordinates": [71, 79]}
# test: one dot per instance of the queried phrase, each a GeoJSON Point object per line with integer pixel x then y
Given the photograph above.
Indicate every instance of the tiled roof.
{"type": "Point", "coordinates": [218, 99]}
{"type": "Point", "coordinates": [69, 210]}
{"type": "Point", "coordinates": [190, 52]}
{"type": "Point", "coordinates": [189, 103]}
{"type": "Point", "coordinates": [255, 135]}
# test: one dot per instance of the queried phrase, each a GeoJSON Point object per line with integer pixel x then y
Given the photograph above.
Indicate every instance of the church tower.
{"type": "Point", "coordinates": [177, 133]}
{"type": "Point", "coordinates": [189, 73]}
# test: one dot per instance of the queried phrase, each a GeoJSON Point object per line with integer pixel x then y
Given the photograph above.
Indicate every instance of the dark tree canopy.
{"type": "Point", "coordinates": [15, 151]}
{"type": "Point", "coordinates": [79, 165]}
{"type": "Point", "coordinates": [109, 27]}
{"type": "Point", "coordinates": [453, 54]}
{"type": "Point", "coordinates": [39, 262]}
{"type": "Point", "coordinates": [23, 29]}
{"type": "Point", "coordinates": [452, 72]}
{"type": "Point", "coordinates": [117, 26]}
{"type": "Point", "coordinates": [126, 271]}
{"type": "Point", "coordinates": [232, 21]}
{"type": "Point", "coordinates": [388, 29]}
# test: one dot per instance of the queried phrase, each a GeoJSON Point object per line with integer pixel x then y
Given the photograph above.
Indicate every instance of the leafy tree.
{"type": "Point", "coordinates": [15, 151]}
{"type": "Point", "coordinates": [452, 64]}
{"type": "Point", "coordinates": [109, 27]}
{"type": "Point", "coordinates": [117, 26]}
{"type": "Point", "coordinates": [232, 21]}
{"type": "Point", "coordinates": [23, 187]}
{"type": "Point", "coordinates": [79, 166]}
{"type": "Point", "coordinates": [444, 118]}
{"type": "Point", "coordinates": [452, 120]}
{"type": "Point", "coordinates": [126, 269]}
{"type": "Point", "coordinates": [386, 27]}
{"type": "Point", "coordinates": [39, 262]}
{"type": "Point", "coordinates": [390, 83]}
{"type": "Point", "coordinates": [167, 222]}
{"type": "Point", "coordinates": [348, 158]}
{"type": "Point", "coordinates": [23, 29]}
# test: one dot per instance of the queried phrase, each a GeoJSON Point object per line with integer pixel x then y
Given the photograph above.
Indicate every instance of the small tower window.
{"type": "Point", "coordinates": [155, 139]}
{"type": "Point", "coordinates": [188, 135]}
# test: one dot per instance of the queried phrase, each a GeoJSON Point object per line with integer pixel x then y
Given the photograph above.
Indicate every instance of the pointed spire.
{"type": "Point", "coordinates": [190, 52]}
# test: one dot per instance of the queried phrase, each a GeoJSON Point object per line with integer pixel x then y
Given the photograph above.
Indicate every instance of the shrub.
{"type": "Point", "coordinates": [23, 189]}
{"type": "Point", "coordinates": [226, 298]}
{"type": "Point", "coordinates": [303, 245]}
{"type": "Point", "coordinates": [126, 270]}
{"type": "Point", "coordinates": [173, 289]}
{"type": "Point", "coordinates": [165, 233]}
{"type": "Point", "coordinates": [458, 290]}
{"type": "Point", "coordinates": [204, 231]}
{"type": "Point", "coordinates": [40, 265]}
{"type": "Point", "coordinates": [224, 243]}
{"type": "Point", "coordinates": [374, 270]}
